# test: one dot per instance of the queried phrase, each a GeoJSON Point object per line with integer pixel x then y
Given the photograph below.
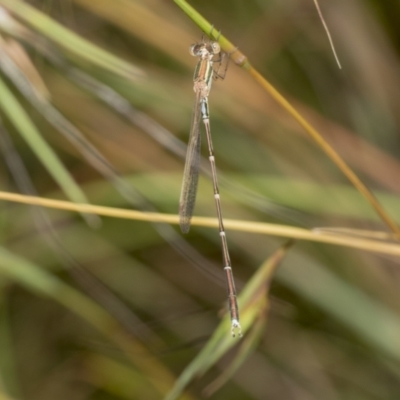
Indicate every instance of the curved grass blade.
{"type": "Point", "coordinates": [44, 152]}
{"type": "Point", "coordinates": [373, 321]}
{"type": "Point", "coordinates": [69, 40]}
{"type": "Point", "coordinates": [249, 343]}
{"type": "Point", "coordinates": [253, 303]}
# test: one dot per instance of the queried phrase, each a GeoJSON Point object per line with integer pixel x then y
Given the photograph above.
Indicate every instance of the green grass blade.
{"type": "Point", "coordinates": [44, 152]}
{"type": "Point", "coordinates": [253, 305]}
{"type": "Point", "coordinates": [41, 282]}
{"type": "Point", "coordinates": [249, 344]}
{"type": "Point", "coordinates": [370, 319]}
{"type": "Point", "coordinates": [118, 379]}
{"type": "Point", "coordinates": [70, 40]}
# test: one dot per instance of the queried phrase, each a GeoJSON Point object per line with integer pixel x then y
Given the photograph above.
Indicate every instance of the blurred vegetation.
{"type": "Point", "coordinates": [95, 106]}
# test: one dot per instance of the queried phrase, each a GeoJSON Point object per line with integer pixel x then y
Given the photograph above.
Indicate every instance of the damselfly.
{"type": "Point", "coordinates": [209, 53]}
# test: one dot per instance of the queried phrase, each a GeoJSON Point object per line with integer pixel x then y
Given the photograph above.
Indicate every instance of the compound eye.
{"type": "Point", "coordinates": [216, 47]}
{"type": "Point", "coordinates": [194, 49]}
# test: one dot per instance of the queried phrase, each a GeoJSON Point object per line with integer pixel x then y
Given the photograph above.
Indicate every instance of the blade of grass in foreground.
{"type": "Point", "coordinates": [69, 40]}
{"type": "Point", "coordinates": [250, 342]}
{"type": "Point", "coordinates": [253, 303]}
{"type": "Point", "coordinates": [376, 246]}
{"type": "Point", "coordinates": [240, 59]}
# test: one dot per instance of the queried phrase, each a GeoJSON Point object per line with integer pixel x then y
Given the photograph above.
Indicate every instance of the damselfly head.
{"type": "Point", "coordinates": [205, 49]}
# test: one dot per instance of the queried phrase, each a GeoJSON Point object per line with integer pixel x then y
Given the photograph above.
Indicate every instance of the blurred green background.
{"type": "Point", "coordinates": [95, 101]}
